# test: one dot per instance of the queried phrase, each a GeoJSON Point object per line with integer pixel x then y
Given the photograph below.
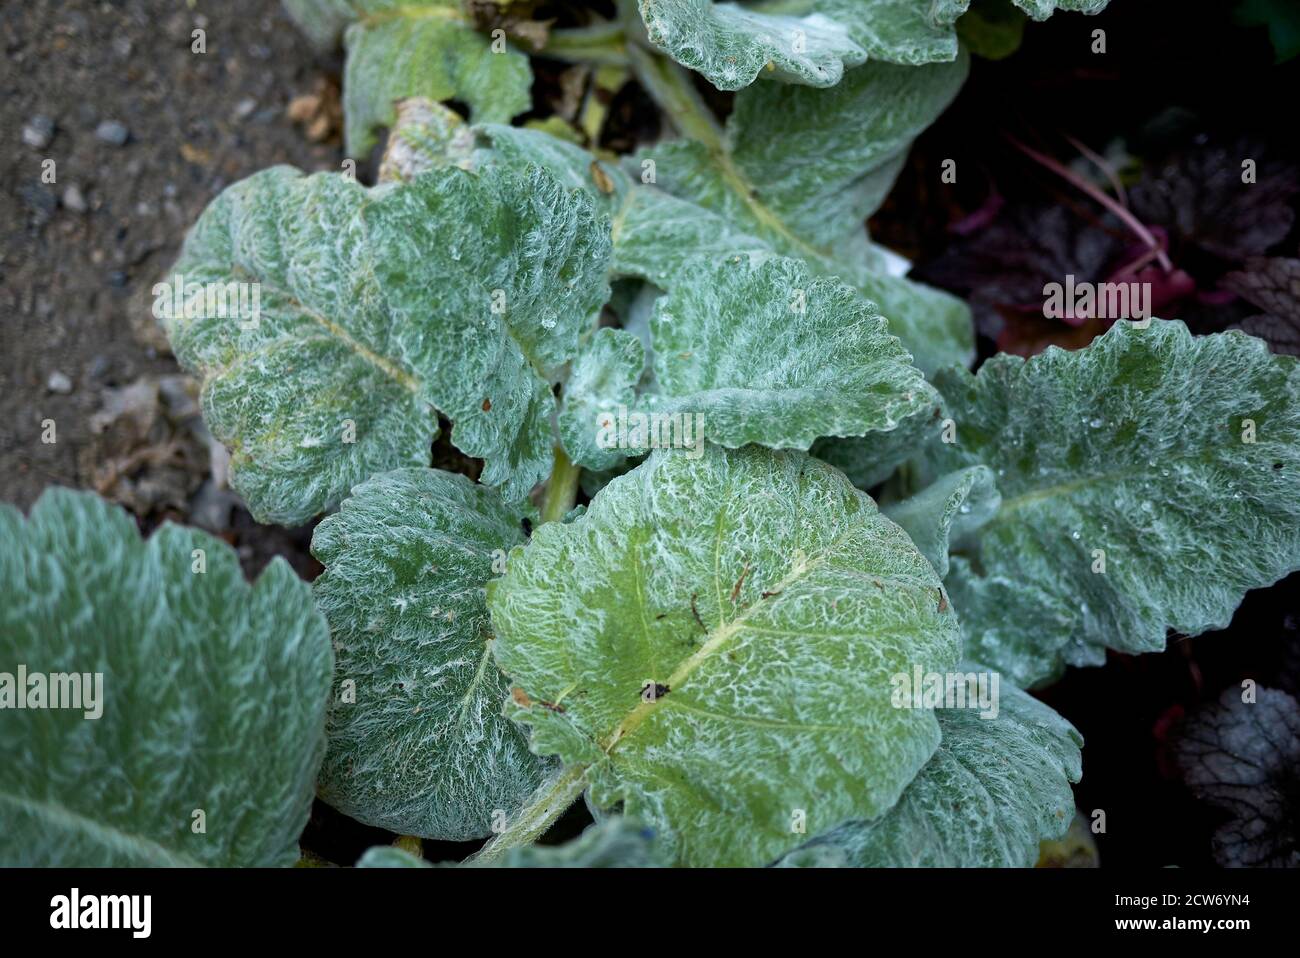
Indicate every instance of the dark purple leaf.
{"type": "Point", "coordinates": [1273, 285]}
{"type": "Point", "coordinates": [1199, 198]}
{"type": "Point", "coordinates": [1244, 758]}
{"type": "Point", "coordinates": [1003, 267]}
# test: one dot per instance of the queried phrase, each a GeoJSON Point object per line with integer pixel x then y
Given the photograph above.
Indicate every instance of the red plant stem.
{"type": "Point", "coordinates": [1137, 264]}
{"type": "Point", "coordinates": [1129, 220]}
{"type": "Point", "coordinates": [1099, 161]}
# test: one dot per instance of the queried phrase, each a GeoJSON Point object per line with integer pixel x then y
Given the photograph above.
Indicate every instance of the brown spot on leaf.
{"type": "Point", "coordinates": [603, 182]}
{"type": "Point", "coordinates": [735, 591]}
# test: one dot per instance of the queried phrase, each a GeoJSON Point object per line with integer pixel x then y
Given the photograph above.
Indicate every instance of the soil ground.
{"type": "Point", "coordinates": [143, 132]}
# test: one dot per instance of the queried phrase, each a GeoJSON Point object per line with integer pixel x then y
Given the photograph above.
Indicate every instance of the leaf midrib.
{"type": "Point", "coordinates": [387, 366]}
{"type": "Point", "coordinates": [721, 636]}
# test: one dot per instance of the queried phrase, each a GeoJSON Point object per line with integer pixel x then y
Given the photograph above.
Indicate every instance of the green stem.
{"type": "Point", "coordinates": [671, 88]}
{"type": "Point", "coordinates": [547, 804]}
{"type": "Point", "coordinates": [604, 43]}
{"type": "Point", "coordinates": [561, 488]}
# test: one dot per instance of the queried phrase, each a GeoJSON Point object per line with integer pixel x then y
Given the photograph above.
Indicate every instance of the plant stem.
{"type": "Point", "coordinates": [1128, 219]}
{"type": "Point", "coordinates": [561, 488]}
{"type": "Point", "coordinates": [671, 88]}
{"type": "Point", "coordinates": [603, 43]}
{"type": "Point", "coordinates": [1100, 162]}
{"type": "Point", "coordinates": [548, 803]}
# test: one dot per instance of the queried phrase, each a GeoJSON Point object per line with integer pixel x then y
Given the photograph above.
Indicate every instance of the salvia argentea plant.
{"type": "Point", "coordinates": [733, 654]}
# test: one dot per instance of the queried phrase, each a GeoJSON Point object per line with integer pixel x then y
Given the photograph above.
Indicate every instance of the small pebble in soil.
{"type": "Point", "coordinates": [111, 131]}
{"type": "Point", "coordinates": [74, 199]}
{"type": "Point", "coordinates": [59, 383]}
{"type": "Point", "coordinates": [38, 131]}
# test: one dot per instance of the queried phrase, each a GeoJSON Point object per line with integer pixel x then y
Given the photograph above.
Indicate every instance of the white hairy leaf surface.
{"type": "Point", "coordinates": [655, 234]}
{"type": "Point", "coordinates": [603, 379]}
{"type": "Point", "coordinates": [1168, 461]}
{"type": "Point", "coordinates": [711, 645]}
{"type": "Point", "coordinates": [811, 42]}
{"type": "Point", "coordinates": [213, 693]}
{"type": "Point", "coordinates": [946, 511]}
{"type": "Point", "coordinates": [746, 350]}
{"type": "Point", "coordinates": [456, 292]}
{"type": "Point", "coordinates": [766, 352]}
{"type": "Point", "coordinates": [993, 790]}
{"type": "Point", "coordinates": [731, 45]}
{"type": "Point", "coordinates": [802, 168]}
{"type": "Point", "coordinates": [418, 743]}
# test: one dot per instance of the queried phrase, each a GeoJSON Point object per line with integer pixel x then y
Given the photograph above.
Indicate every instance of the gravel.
{"type": "Point", "coordinates": [112, 131]}
{"type": "Point", "coordinates": [74, 199]}
{"type": "Point", "coordinates": [59, 383]}
{"type": "Point", "coordinates": [38, 131]}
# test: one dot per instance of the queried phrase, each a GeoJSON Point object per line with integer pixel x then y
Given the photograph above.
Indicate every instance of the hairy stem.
{"type": "Point", "coordinates": [548, 803]}
{"type": "Point", "coordinates": [561, 488]}
{"type": "Point", "coordinates": [671, 88]}
{"type": "Point", "coordinates": [604, 44]}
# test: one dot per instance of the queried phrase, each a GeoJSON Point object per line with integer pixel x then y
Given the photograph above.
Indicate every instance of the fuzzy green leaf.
{"type": "Point", "coordinates": [995, 788]}
{"type": "Point", "coordinates": [802, 168]}
{"type": "Point", "coordinates": [871, 460]}
{"type": "Point", "coordinates": [749, 350]}
{"type": "Point", "coordinates": [655, 234]}
{"type": "Point", "coordinates": [604, 376]}
{"type": "Point", "coordinates": [730, 44]}
{"type": "Point", "coordinates": [213, 699]}
{"type": "Point", "coordinates": [419, 746]}
{"type": "Point", "coordinates": [946, 511]}
{"type": "Point", "coordinates": [414, 48]}
{"type": "Point", "coordinates": [711, 646]}
{"type": "Point", "coordinates": [1168, 461]}
{"type": "Point", "coordinates": [457, 292]}
{"type": "Point", "coordinates": [811, 41]}
{"type": "Point", "coordinates": [767, 353]}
